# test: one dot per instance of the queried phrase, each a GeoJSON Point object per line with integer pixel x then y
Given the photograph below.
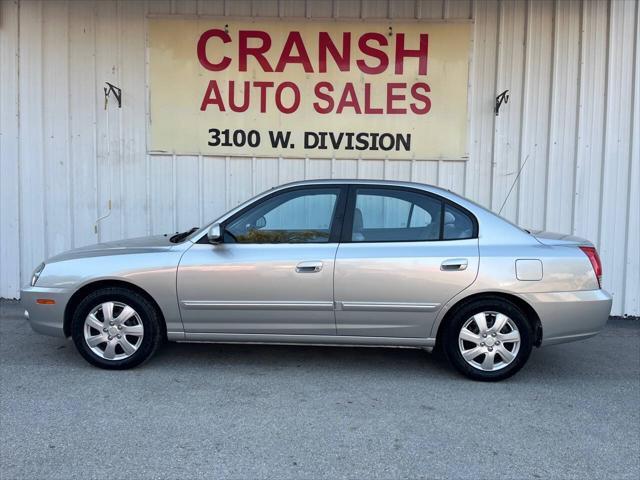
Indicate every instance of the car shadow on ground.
{"type": "Point", "coordinates": [261, 359]}
{"type": "Point", "coordinates": [570, 361]}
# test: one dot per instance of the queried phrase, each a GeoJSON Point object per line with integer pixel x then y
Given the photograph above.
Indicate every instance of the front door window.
{"type": "Point", "coordinates": [298, 216]}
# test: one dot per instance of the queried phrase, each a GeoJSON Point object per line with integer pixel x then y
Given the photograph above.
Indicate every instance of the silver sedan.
{"type": "Point", "coordinates": [336, 262]}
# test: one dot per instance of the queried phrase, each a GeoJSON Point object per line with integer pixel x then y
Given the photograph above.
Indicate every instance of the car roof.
{"type": "Point", "coordinates": [361, 181]}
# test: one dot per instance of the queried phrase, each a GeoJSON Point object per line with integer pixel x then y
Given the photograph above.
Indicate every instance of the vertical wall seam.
{"type": "Point", "coordinates": [470, 94]}
{"type": "Point", "coordinates": [634, 79]}
{"type": "Point", "coordinates": [524, 82]}
{"type": "Point", "coordinates": [254, 178]}
{"type": "Point", "coordinates": [70, 159]}
{"type": "Point", "coordinates": [227, 199]}
{"type": "Point", "coordinates": [147, 118]}
{"type": "Point", "coordinates": [474, 125]}
{"type": "Point", "coordinates": [464, 178]}
{"type": "Point", "coordinates": [96, 174]}
{"type": "Point", "coordinates": [43, 156]}
{"type": "Point", "coordinates": [121, 153]}
{"type": "Point", "coordinates": [201, 189]}
{"type": "Point", "coordinates": [552, 93]}
{"type": "Point", "coordinates": [494, 89]}
{"type": "Point", "coordinates": [19, 159]}
{"type": "Point", "coordinates": [577, 120]}
{"type": "Point", "coordinates": [174, 189]}
{"type": "Point", "coordinates": [147, 168]}
{"type": "Point", "coordinates": [604, 122]}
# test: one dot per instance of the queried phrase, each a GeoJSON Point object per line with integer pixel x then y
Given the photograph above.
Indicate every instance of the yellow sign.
{"type": "Point", "coordinates": [306, 88]}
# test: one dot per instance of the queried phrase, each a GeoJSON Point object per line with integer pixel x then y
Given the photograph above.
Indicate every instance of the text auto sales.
{"type": "Point", "coordinates": [373, 56]}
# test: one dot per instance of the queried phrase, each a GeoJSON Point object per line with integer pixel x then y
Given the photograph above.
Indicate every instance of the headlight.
{"type": "Point", "coordinates": [36, 274]}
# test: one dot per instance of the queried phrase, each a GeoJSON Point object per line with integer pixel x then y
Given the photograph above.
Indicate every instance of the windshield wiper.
{"type": "Point", "coordinates": [178, 237]}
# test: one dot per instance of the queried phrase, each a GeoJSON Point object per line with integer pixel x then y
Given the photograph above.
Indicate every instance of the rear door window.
{"type": "Point", "coordinates": [389, 215]}
{"type": "Point", "coordinates": [383, 214]}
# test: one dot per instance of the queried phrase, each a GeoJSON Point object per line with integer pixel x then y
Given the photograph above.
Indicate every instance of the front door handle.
{"type": "Point", "coordinates": [454, 264]}
{"type": "Point", "coordinates": [309, 267]}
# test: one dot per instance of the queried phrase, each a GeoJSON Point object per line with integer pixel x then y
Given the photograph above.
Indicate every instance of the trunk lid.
{"type": "Point", "coordinates": [553, 238]}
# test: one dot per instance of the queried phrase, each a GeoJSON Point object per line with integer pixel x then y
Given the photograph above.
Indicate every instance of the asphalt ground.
{"type": "Point", "coordinates": [255, 411]}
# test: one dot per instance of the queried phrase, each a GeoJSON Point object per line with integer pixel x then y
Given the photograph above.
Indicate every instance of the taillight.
{"type": "Point", "coordinates": [594, 258]}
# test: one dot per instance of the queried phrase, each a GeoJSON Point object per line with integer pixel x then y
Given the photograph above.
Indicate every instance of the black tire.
{"type": "Point", "coordinates": [489, 304]}
{"type": "Point", "coordinates": [149, 317]}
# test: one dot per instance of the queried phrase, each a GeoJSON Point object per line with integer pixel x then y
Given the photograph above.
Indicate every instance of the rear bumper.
{"type": "Point", "coordinates": [45, 318]}
{"type": "Point", "coordinates": [570, 316]}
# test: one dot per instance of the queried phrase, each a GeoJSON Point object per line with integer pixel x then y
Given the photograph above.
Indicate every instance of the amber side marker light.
{"type": "Point", "coordinates": [45, 301]}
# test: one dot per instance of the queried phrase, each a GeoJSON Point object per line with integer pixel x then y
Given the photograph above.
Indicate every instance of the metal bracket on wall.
{"type": "Point", "coordinates": [117, 92]}
{"type": "Point", "coordinates": [99, 219]}
{"type": "Point", "coordinates": [500, 99]}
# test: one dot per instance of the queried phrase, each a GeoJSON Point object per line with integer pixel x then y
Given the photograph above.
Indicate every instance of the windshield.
{"type": "Point", "coordinates": [199, 230]}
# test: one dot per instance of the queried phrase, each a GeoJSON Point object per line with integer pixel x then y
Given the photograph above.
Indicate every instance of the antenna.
{"type": "Point", "coordinates": [514, 184]}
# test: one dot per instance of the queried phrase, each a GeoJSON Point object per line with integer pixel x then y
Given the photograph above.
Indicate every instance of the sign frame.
{"type": "Point", "coordinates": [225, 20]}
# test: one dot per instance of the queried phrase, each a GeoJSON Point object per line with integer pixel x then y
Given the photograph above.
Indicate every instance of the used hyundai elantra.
{"type": "Point", "coordinates": [336, 262]}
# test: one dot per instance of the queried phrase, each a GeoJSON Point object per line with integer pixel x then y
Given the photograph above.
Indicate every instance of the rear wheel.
{"type": "Point", "coordinates": [116, 328]}
{"type": "Point", "coordinates": [488, 339]}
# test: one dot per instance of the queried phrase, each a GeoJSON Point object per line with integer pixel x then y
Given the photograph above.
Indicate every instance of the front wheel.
{"type": "Point", "coordinates": [116, 328]}
{"type": "Point", "coordinates": [488, 339]}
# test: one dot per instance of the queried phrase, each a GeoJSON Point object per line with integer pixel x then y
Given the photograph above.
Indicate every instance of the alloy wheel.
{"type": "Point", "coordinates": [489, 341]}
{"type": "Point", "coordinates": [113, 330]}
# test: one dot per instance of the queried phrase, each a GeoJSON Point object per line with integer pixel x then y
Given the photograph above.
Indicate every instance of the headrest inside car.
{"type": "Point", "coordinates": [449, 218]}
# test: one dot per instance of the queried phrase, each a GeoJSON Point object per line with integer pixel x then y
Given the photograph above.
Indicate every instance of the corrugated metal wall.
{"type": "Point", "coordinates": [571, 68]}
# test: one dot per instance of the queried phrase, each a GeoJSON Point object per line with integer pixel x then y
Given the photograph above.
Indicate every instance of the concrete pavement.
{"type": "Point", "coordinates": [243, 411]}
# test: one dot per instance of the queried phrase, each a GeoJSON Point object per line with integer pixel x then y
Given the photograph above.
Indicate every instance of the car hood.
{"type": "Point", "coordinates": [119, 247]}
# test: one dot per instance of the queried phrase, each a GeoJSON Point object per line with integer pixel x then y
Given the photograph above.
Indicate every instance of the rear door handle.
{"type": "Point", "coordinates": [453, 264]}
{"type": "Point", "coordinates": [309, 267]}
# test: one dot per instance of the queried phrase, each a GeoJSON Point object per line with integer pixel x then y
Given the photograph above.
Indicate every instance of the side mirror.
{"type": "Point", "coordinates": [214, 235]}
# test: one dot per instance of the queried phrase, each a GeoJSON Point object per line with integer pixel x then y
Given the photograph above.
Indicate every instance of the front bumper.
{"type": "Point", "coordinates": [45, 318]}
{"type": "Point", "coordinates": [570, 316]}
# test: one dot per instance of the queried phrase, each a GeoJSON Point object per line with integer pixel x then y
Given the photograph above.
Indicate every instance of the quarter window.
{"type": "Point", "coordinates": [299, 216]}
{"type": "Point", "coordinates": [457, 224]}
